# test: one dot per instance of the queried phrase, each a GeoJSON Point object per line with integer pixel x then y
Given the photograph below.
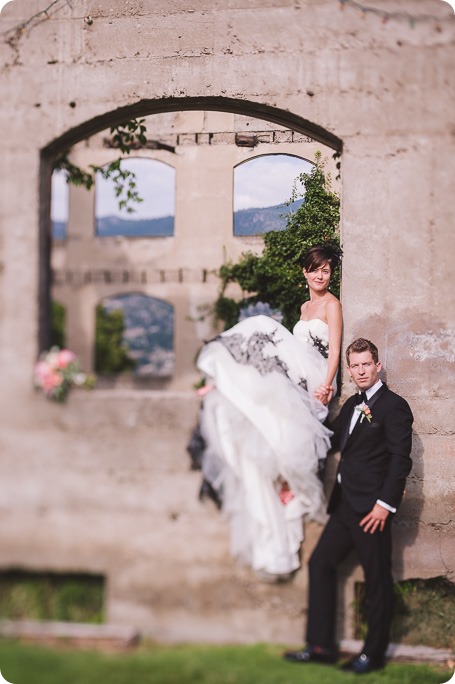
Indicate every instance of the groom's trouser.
{"type": "Point", "coordinates": [342, 534]}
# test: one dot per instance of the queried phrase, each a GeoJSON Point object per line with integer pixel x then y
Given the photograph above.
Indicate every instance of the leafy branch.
{"type": "Point", "coordinates": [125, 137]}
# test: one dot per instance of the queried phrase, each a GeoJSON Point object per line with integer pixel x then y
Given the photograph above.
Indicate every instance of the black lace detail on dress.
{"type": "Point", "coordinates": [250, 351]}
{"type": "Point", "coordinates": [303, 384]}
{"type": "Point", "coordinates": [321, 346]}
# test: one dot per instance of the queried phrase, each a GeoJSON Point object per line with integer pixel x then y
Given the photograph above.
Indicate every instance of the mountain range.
{"type": "Point", "coordinates": [253, 221]}
{"type": "Point", "coordinates": [256, 221]}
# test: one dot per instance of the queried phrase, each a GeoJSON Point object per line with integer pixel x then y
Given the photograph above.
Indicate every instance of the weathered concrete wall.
{"type": "Point", "coordinates": [103, 483]}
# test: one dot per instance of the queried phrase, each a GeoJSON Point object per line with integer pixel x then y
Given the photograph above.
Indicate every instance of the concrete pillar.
{"type": "Point", "coordinates": [80, 314]}
{"type": "Point", "coordinates": [203, 219]}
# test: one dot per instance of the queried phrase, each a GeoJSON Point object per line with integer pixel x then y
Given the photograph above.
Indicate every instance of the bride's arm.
{"type": "Point", "coordinates": [335, 323]}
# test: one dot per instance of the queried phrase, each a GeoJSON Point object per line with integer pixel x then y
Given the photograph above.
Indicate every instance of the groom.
{"type": "Point", "coordinates": [373, 433]}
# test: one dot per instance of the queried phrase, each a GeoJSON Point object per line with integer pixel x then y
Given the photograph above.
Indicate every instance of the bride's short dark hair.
{"type": "Point", "coordinates": [322, 254]}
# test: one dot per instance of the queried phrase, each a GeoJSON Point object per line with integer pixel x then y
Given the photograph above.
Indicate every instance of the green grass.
{"type": "Point", "coordinates": [151, 664]}
{"type": "Point", "coordinates": [51, 596]}
{"type": "Point", "coordinates": [424, 613]}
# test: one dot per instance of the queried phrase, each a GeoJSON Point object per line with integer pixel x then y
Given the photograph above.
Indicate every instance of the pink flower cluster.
{"type": "Point", "coordinates": [205, 389]}
{"type": "Point", "coordinates": [56, 371]}
{"type": "Point", "coordinates": [286, 494]}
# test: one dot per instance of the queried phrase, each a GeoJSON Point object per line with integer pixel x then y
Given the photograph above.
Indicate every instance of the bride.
{"type": "Point", "coordinates": [265, 401]}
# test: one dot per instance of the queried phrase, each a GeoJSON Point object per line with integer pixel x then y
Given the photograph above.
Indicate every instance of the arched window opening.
{"type": "Point", "coordinates": [262, 186]}
{"type": "Point", "coordinates": [197, 149]}
{"type": "Point", "coordinates": [59, 205]}
{"type": "Point", "coordinates": [134, 332]}
{"type": "Point", "coordinates": [153, 216]}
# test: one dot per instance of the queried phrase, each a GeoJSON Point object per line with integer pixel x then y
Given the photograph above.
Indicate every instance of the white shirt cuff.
{"type": "Point", "coordinates": [321, 411]}
{"type": "Point", "coordinates": [386, 506]}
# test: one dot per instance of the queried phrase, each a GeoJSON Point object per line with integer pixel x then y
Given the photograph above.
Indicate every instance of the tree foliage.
{"type": "Point", "coordinates": [125, 137]}
{"type": "Point", "coordinates": [58, 324]}
{"type": "Point", "coordinates": [111, 354]}
{"type": "Point", "coordinates": [275, 277]}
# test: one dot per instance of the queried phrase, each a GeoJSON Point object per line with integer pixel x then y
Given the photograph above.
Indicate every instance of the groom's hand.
{"type": "Point", "coordinates": [375, 519]}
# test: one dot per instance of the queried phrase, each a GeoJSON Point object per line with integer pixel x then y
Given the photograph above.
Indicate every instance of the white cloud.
{"type": "Point", "coordinates": [266, 181]}
{"type": "Point", "coordinates": [59, 202]}
{"type": "Point", "coordinates": [262, 182]}
{"type": "Point", "coordinates": [155, 184]}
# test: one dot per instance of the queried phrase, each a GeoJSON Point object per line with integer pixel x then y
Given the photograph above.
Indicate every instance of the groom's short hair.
{"type": "Point", "coordinates": [361, 345]}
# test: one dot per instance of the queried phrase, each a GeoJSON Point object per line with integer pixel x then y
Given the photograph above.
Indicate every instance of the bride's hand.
{"type": "Point", "coordinates": [324, 393]}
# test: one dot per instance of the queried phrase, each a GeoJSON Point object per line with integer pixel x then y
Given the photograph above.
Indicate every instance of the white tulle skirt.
{"type": "Point", "coordinates": [262, 428]}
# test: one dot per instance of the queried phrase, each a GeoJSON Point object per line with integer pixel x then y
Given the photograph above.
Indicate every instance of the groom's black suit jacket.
{"type": "Point", "coordinates": [375, 457]}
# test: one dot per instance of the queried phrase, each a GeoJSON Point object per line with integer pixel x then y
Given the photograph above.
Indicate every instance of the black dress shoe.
{"type": "Point", "coordinates": [362, 664]}
{"type": "Point", "coordinates": [312, 654]}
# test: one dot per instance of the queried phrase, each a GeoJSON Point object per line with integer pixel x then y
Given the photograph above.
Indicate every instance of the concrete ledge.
{"type": "Point", "coordinates": [403, 652]}
{"type": "Point", "coordinates": [82, 634]}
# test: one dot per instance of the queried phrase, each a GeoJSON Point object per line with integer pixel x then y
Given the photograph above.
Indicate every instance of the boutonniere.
{"type": "Point", "coordinates": [364, 412]}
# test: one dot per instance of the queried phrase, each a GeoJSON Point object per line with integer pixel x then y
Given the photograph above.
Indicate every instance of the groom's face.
{"type": "Point", "coordinates": [363, 369]}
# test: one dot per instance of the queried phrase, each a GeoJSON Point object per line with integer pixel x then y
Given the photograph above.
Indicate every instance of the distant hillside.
{"type": "Point", "coordinates": [246, 222]}
{"type": "Point", "coordinates": [157, 227]}
{"type": "Point", "coordinates": [110, 226]}
{"type": "Point", "coordinates": [262, 220]}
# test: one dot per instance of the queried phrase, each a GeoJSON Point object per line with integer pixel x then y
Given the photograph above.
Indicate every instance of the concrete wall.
{"type": "Point", "coordinates": [103, 482]}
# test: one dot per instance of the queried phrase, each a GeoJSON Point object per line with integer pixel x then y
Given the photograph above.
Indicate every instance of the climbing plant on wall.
{"type": "Point", "coordinates": [125, 137]}
{"type": "Point", "coordinates": [111, 354]}
{"type": "Point", "coordinates": [275, 277]}
{"type": "Point", "coordinates": [58, 324]}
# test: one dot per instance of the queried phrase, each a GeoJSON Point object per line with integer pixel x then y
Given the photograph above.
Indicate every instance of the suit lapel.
{"type": "Point", "coordinates": [345, 430]}
{"type": "Point", "coordinates": [377, 394]}
{"type": "Point", "coordinates": [355, 431]}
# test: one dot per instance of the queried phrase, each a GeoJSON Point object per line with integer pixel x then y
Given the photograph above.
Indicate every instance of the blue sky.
{"type": "Point", "coordinates": [262, 182]}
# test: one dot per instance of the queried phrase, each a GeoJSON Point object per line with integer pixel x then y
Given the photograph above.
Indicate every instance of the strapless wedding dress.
{"type": "Point", "coordinates": [262, 428]}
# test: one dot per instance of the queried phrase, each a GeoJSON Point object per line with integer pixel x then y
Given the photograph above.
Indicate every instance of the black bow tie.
{"type": "Point", "coordinates": [360, 398]}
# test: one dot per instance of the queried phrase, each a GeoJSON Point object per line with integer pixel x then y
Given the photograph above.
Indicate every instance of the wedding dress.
{"type": "Point", "coordinates": [264, 435]}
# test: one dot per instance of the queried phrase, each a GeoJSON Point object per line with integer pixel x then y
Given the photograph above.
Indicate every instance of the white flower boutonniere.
{"type": "Point", "coordinates": [364, 413]}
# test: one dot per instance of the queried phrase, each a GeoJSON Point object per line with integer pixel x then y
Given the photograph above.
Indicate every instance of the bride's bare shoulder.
{"type": "Point", "coordinates": [334, 304]}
